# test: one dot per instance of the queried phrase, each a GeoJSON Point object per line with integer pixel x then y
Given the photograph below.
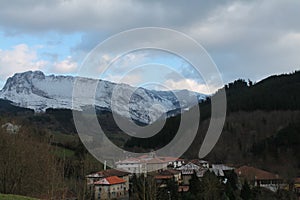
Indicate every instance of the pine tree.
{"type": "Point", "coordinates": [246, 193]}
{"type": "Point", "coordinates": [195, 184]}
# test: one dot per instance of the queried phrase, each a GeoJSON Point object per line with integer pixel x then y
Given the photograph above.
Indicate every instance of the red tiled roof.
{"type": "Point", "coordinates": [112, 180]}
{"type": "Point", "coordinates": [252, 173]}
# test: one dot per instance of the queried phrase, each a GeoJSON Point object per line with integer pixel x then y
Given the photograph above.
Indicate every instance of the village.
{"type": "Point", "coordinates": [118, 183]}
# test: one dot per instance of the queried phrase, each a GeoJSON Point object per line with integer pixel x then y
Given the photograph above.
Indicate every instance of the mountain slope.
{"type": "Point", "coordinates": [278, 92]}
{"type": "Point", "coordinates": [36, 91]}
{"type": "Point", "coordinates": [261, 127]}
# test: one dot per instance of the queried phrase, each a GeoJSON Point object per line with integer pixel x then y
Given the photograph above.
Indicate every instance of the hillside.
{"type": "Point", "coordinates": [256, 114]}
{"type": "Point", "coordinates": [280, 92]}
{"type": "Point", "coordinates": [261, 129]}
{"type": "Point", "coordinates": [261, 120]}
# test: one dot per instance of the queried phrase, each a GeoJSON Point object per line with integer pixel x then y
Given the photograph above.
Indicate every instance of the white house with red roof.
{"type": "Point", "coordinates": [111, 187]}
{"type": "Point", "coordinates": [108, 184]}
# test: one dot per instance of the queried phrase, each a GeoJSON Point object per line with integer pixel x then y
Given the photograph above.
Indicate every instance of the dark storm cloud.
{"type": "Point", "coordinates": [247, 39]}
{"type": "Point", "coordinates": [84, 16]}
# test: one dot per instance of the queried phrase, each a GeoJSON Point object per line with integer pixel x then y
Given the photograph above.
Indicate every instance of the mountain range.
{"type": "Point", "coordinates": [35, 90]}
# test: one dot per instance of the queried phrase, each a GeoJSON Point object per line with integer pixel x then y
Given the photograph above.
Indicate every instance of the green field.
{"type": "Point", "coordinates": [63, 152]}
{"type": "Point", "coordinates": [14, 197]}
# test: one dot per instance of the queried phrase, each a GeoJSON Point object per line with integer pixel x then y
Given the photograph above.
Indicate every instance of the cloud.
{"type": "Point", "coordinates": [246, 39]}
{"type": "Point", "coordinates": [99, 15]}
{"type": "Point", "coordinates": [65, 66]}
{"type": "Point", "coordinates": [23, 58]}
{"type": "Point", "coordinates": [189, 84]}
{"type": "Point", "coordinates": [18, 59]}
{"type": "Point", "coordinates": [252, 39]}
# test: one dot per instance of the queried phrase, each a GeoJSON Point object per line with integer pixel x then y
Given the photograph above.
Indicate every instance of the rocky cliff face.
{"type": "Point", "coordinates": [37, 91]}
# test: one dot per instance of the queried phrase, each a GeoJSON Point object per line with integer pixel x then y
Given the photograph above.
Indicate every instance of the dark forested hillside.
{"type": "Point", "coordinates": [261, 125]}
{"type": "Point", "coordinates": [274, 93]}
{"type": "Point", "coordinates": [258, 116]}
{"type": "Point", "coordinates": [265, 139]}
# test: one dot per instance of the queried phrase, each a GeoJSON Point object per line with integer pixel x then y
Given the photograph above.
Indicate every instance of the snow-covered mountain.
{"type": "Point", "coordinates": [37, 91]}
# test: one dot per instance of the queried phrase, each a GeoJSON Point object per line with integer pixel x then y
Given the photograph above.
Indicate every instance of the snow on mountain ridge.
{"type": "Point", "coordinates": [35, 90]}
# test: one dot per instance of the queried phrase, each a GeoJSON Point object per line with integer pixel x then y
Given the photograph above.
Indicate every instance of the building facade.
{"type": "Point", "coordinates": [111, 187]}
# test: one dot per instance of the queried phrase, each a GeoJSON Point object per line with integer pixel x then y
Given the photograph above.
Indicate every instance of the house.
{"type": "Point", "coordinates": [154, 164]}
{"type": "Point", "coordinates": [200, 167]}
{"type": "Point", "coordinates": [147, 163]}
{"type": "Point", "coordinates": [111, 187]}
{"type": "Point", "coordinates": [202, 163]}
{"type": "Point", "coordinates": [260, 178]}
{"type": "Point", "coordinates": [91, 178]}
{"type": "Point", "coordinates": [188, 170]}
{"type": "Point", "coordinates": [163, 176]}
{"type": "Point", "coordinates": [220, 169]}
{"type": "Point", "coordinates": [132, 165]}
{"type": "Point", "coordinates": [93, 181]}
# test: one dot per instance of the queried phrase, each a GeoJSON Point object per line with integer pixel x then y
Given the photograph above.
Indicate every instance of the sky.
{"type": "Point", "coordinates": [245, 39]}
